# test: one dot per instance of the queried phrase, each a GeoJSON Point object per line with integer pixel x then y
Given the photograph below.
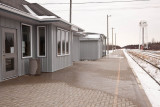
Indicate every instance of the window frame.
{"type": "Point", "coordinates": [57, 43]}
{"type": "Point", "coordinates": [69, 41]}
{"type": "Point", "coordinates": [38, 54]}
{"type": "Point", "coordinates": [61, 41]}
{"type": "Point", "coordinates": [31, 39]}
{"type": "Point", "coordinates": [63, 54]}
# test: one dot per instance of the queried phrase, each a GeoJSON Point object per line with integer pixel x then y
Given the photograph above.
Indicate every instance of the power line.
{"type": "Point", "coordinates": [125, 8]}
{"type": "Point", "coordinates": [94, 2]}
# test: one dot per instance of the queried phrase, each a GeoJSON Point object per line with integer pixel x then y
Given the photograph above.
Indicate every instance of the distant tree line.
{"type": "Point", "coordinates": [110, 47]}
{"type": "Point", "coordinates": [154, 46]}
{"type": "Point", "coordinates": [131, 47]}
{"type": "Point", "coordinates": [151, 46]}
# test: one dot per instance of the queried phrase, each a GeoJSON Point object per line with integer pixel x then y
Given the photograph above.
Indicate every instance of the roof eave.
{"type": "Point", "coordinates": [22, 13]}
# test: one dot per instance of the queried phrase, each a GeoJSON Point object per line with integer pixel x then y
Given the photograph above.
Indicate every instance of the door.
{"type": "Point", "coordinates": [9, 53]}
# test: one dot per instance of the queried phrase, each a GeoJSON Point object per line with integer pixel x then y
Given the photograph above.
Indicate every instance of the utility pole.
{"type": "Point", "coordinates": [112, 39]}
{"type": "Point", "coordinates": [115, 41]}
{"type": "Point", "coordinates": [108, 34]}
{"type": "Point", "coordinates": [70, 19]}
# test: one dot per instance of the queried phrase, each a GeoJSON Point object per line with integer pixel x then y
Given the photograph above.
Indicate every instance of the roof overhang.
{"type": "Point", "coordinates": [79, 34]}
{"type": "Point", "coordinates": [36, 18]}
{"type": "Point", "coordinates": [100, 36]}
{"type": "Point", "coordinates": [60, 21]}
{"type": "Point", "coordinates": [87, 33]}
{"type": "Point", "coordinates": [89, 39]}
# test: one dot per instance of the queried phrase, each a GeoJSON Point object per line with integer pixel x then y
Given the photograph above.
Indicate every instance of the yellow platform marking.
{"type": "Point", "coordinates": [117, 86]}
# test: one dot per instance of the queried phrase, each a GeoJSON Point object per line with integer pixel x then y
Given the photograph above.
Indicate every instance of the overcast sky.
{"type": "Point", "coordinates": [125, 17]}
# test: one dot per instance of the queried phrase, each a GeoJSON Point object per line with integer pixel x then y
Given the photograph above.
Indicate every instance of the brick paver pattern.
{"type": "Point", "coordinates": [85, 84]}
{"type": "Point", "coordinates": [50, 94]}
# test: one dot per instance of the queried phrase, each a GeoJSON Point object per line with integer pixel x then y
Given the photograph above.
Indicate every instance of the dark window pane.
{"type": "Point", "coordinates": [9, 64]}
{"type": "Point", "coordinates": [63, 42]}
{"type": "Point", "coordinates": [58, 42]}
{"type": "Point", "coordinates": [26, 40]}
{"type": "Point", "coordinates": [67, 43]}
{"type": "Point", "coordinates": [42, 41]}
{"type": "Point", "coordinates": [9, 42]}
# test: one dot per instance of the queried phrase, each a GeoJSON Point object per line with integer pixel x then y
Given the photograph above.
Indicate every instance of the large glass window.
{"type": "Point", "coordinates": [63, 42]}
{"type": "Point", "coordinates": [41, 35]}
{"type": "Point", "coordinates": [67, 43]}
{"type": "Point", "coordinates": [58, 42]}
{"type": "Point", "coordinates": [9, 42]}
{"type": "Point", "coordinates": [26, 41]}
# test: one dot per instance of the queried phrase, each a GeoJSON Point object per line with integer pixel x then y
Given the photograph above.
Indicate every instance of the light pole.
{"type": "Point", "coordinates": [112, 39]}
{"type": "Point", "coordinates": [70, 19]}
{"type": "Point", "coordinates": [108, 34]}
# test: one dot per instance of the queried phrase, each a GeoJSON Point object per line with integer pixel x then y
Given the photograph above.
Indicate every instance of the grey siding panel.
{"type": "Point", "coordinates": [49, 55]}
{"type": "Point", "coordinates": [34, 41]}
{"type": "Point", "coordinates": [59, 62]}
{"type": "Point", "coordinates": [45, 60]}
{"type": "Point", "coordinates": [76, 48]}
{"type": "Point", "coordinates": [88, 50]}
{"type": "Point", "coordinates": [0, 52]}
{"type": "Point", "coordinates": [25, 66]}
{"type": "Point", "coordinates": [100, 49]}
{"type": "Point", "coordinates": [99, 53]}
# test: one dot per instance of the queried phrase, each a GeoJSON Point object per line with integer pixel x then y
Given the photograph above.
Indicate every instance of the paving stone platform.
{"type": "Point", "coordinates": [108, 82]}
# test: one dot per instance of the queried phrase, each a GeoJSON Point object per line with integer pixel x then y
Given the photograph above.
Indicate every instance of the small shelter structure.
{"type": "Point", "coordinates": [92, 46]}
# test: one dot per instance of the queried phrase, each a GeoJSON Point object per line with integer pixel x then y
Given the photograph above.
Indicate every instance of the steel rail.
{"type": "Point", "coordinates": [145, 70]}
{"type": "Point", "coordinates": [152, 55]}
{"type": "Point", "coordinates": [147, 61]}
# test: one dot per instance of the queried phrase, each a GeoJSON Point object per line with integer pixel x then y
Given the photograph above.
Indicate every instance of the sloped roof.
{"type": "Point", "coordinates": [38, 9]}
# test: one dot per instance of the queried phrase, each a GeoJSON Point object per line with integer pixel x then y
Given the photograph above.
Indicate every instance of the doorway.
{"type": "Point", "coordinates": [9, 53]}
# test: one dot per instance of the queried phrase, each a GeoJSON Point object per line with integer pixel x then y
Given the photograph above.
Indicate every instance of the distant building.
{"type": "Point", "coordinates": [93, 46]}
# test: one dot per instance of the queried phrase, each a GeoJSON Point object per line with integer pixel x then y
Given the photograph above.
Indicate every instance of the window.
{"type": "Point", "coordinates": [9, 42]}
{"type": "Point", "coordinates": [41, 41]}
{"type": "Point", "coordinates": [9, 64]}
{"type": "Point", "coordinates": [58, 42]}
{"type": "Point", "coordinates": [26, 41]}
{"type": "Point", "coordinates": [67, 43]}
{"type": "Point", "coordinates": [63, 42]}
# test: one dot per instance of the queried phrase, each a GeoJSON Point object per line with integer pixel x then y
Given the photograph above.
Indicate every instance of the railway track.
{"type": "Point", "coordinates": [148, 57]}
{"type": "Point", "coordinates": [144, 57]}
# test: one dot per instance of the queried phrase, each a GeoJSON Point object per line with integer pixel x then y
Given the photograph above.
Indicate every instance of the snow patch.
{"type": "Point", "coordinates": [151, 88]}
{"type": "Point", "coordinates": [46, 17]}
